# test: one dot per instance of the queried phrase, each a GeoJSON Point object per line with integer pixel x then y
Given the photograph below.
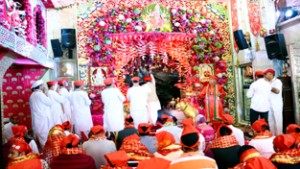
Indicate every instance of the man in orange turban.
{"type": "Point", "coordinates": [263, 138]}
{"type": "Point", "coordinates": [250, 158]}
{"type": "Point", "coordinates": [81, 102]}
{"type": "Point", "coordinates": [146, 138]}
{"type": "Point", "coordinates": [213, 95]}
{"type": "Point", "coordinates": [154, 163]}
{"type": "Point", "coordinates": [117, 159]}
{"type": "Point", "coordinates": [167, 147]}
{"type": "Point", "coordinates": [71, 156]}
{"type": "Point", "coordinates": [21, 157]}
{"type": "Point", "coordinates": [294, 130]}
{"type": "Point", "coordinates": [64, 92]}
{"type": "Point", "coordinates": [191, 158]}
{"type": "Point", "coordinates": [98, 145]}
{"type": "Point", "coordinates": [170, 126]}
{"type": "Point", "coordinates": [287, 155]}
{"type": "Point", "coordinates": [112, 99]}
{"type": "Point", "coordinates": [238, 133]}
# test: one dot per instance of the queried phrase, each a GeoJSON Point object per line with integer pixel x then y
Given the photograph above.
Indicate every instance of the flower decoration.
{"type": "Point", "coordinates": [39, 26]}
{"type": "Point", "coordinates": [30, 22]}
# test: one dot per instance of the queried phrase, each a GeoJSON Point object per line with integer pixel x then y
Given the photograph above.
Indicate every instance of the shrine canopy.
{"type": "Point", "coordinates": [132, 45]}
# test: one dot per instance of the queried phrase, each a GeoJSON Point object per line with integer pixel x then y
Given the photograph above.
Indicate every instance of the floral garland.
{"type": "Point", "coordinates": [2, 12]}
{"type": "Point", "coordinates": [39, 26]}
{"type": "Point", "coordinates": [29, 29]}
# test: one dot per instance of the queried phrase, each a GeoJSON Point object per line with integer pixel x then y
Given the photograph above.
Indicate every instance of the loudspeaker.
{"type": "Point", "coordinates": [56, 48]}
{"type": "Point", "coordinates": [240, 39]}
{"type": "Point", "coordinates": [276, 48]}
{"type": "Point", "coordinates": [68, 38]}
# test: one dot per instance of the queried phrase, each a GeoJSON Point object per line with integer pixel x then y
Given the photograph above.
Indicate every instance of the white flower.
{"type": "Point", "coordinates": [174, 11]}
{"type": "Point", "coordinates": [197, 15]}
{"type": "Point", "coordinates": [128, 20]}
{"type": "Point", "coordinates": [138, 28]}
{"type": "Point", "coordinates": [102, 23]}
{"type": "Point", "coordinates": [219, 75]}
{"type": "Point", "coordinates": [177, 24]}
{"type": "Point", "coordinates": [203, 21]}
{"type": "Point", "coordinates": [194, 31]}
{"type": "Point", "coordinates": [121, 17]}
{"type": "Point", "coordinates": [216, 59]}
{"type": "Point", "coordinates": [212, 32]}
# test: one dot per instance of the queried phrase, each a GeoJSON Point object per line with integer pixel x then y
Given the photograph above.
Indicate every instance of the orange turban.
{"type": "Point", "coordinates": [67, 125]}
{"type": "Point", "coordinates": [270, 71]}
{"type": "Point", "coordinates": [21, 146]}
{"type": "Point", "coordinates": [97, 129]}
{"type": "Point", "coordinates": [259, 73]}
{"type": "Point", "coordinates": [147, 78]}
{"type": "Point", "coordinates": [190, 135]}
{"type": "Point", "coordinates": [227, 118]}
{"type": "Point", "coordinates": [164, 139]}
{"type": "Point", "coordinates": [144, 128]}
{"type": "Point", "coordinates": [117, 158]}
{"type": "Point", "coordinates": [62, 81]}
{"type": "Point", "coordinates": [154, 163]}
{"type": "Point", "coordinates": [223, 126]}
{"type": "Point", "coordinates": [78, 82]}
{"type": "Point", "coordinates": [51, 83]}
{"type": "Point", "coordinates": [284, 141]}
{"type": "Point", "coordinates": [292, 128]}
{"type": "Point", "coordinates": [128, 120]}
{"type": "Point", "coordinates": [108, 81]}
{"type": "Point", "coordinates": [71, 138]}
{"type": "Point", "coordinates": [19, 131]}
{"type": "Point", "coordinates": [258, 125]}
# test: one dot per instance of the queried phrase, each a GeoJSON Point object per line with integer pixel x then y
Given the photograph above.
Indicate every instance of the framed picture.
{"type": "Point", "coordinates": [98, 75]}
{"type": "Point", "coordinates": [65, 68]}
{"type": "Point", "coordinates": [205, 71]}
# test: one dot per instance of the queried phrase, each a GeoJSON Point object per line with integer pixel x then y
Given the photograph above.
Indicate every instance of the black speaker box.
{"type": "Point", "coordinates": [56, 48]}
{"type": "Point", "coordinates": [68, 38]}
{"type": "Point", "coordinates": [276, 48]}
{"type": "Point", "coordinates": [240, 39]}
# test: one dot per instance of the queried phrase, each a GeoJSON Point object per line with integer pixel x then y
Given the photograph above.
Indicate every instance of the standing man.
{"type": "Point", "coordinates": [276, 108]}
{"type": "Point", "coordinates": [138, 97]}
{"type": "Point", "coordinates": [113, 107]}
{"type": "Point", "coordinates": [259, 92]}
{"type": "Point", "coordinates": [57, 101]}
{"type": "Point", "coordinates": [81, 109]}
{"type": "Point", "coordinates": [153, 102]}
{"type": "Point", "coordinates": [63, 91]}
{"type": "Point", "coordinates": [40, 112]}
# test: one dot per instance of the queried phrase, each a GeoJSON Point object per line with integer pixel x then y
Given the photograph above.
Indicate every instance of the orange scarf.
{"type": "Point", "coordinates": [169, 149]}
{"type": "Point", "coordinates": [224, 142]}
{"type": "Point", "coordinates": [70, 151]}
{"type": "Point", "coordinates": [291, 156]}
{"type": "Point", "coordinates": [263, 135]}
{"type": "Point", "coordinates": [24, 158]}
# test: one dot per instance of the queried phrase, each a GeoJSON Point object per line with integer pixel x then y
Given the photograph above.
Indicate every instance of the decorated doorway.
{"type": "Point", "coordinates": [190, 38]}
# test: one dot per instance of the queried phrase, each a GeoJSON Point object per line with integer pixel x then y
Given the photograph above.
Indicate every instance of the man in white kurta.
{"type": "Point", "coordinates": [138, 97]}
{"type": "Point", "coordinates": [57, 101]}
{"type": "Point", "coordinates": [153, 102]}
{"type": "Point", "coordinates": [13, 121]}
{"type": "Point", "coordinates": [276, 108]}
{"type": "Point", "coordinates": [113, 107]}
{"type": "Point", "coordinates": [81, 109]}
{"type": "Point", "coordinates": [40, 112]}
{"type": "Point", "coordinates": [63, 91]}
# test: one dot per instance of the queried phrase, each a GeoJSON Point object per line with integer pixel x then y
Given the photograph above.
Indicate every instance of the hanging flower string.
{"type": "Point", "coordinates": [40, 31]}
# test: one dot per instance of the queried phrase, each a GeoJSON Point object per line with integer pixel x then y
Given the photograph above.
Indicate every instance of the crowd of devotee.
{"type": "Point", "coordinates": [64, 136]}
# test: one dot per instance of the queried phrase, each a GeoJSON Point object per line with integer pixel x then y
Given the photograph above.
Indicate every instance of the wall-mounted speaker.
{"type": "Point", "coordinates": [68, 38]}
{"type": "Point", "coordinates": [240, 39]}
{"type": "Point", "coordinates": [57, 52]}
{"type": "Point", "coordinates": [276, 47]}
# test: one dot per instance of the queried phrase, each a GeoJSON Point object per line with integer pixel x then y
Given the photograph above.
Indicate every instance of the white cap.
{"type": "Point", "coordinates": [37, 83]}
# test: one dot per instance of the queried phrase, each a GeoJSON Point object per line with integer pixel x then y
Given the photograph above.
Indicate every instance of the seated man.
{"type": "Point", "coordinates": [52, 146]}
{"type": "Point", "coordinates": [117, 159]}
{"type": "Point", "coordinates": [155, 162]}
{"type": "Point", "coordinates": [191, 158]}
{"type": "Point", "coordinates": [170, 126]}
{"type": "Point", "coordinates": [13, 121]}
{"type": "Point", "coordinates": [128, 130]}
{"type": "Point", "coordinates": [206, 130]}
{"type": "Point", "coordinates": [225, 148]}
{"type": "Point", "coordinates": [250, 158]}
{"type": "Point", "coordinates": [263, 138]}
{"type": "Point", "coordinates": [238, 133]}
{"type": "Point", "coordinates": [149, 141]}
{"type": "Point", "coordinates": [71, 156]}
{"type": "Point", "coordinates": [287, 156]}
{"type": "Point", "coordinates": [167, 148]}
{"type": "Point", "coordinates": [21, 157]}
{"type": "Point", "coordinates": [98, 145]}
{"type": "Point", "coordinates": [20, 133]}
{"type": "Point", "coordinates": [135, 150]}
{"type": "Point", "coordinates": [294, 130]}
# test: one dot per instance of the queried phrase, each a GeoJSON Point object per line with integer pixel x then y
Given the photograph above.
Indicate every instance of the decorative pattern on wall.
{"type": "Point", "coordinates": [100, 21]}
{"type": "Point", "coordinates": [16, 91]}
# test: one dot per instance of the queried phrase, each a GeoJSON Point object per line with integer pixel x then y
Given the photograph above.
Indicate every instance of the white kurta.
{"type": "Point", "coordinates": [276, 108]}
{"type": "Point", "coordinates": [264, 146]}
{"type": "Point", "coordinates": [7, 131]}
{"type": "Point", "coordinates": [153, 102]}
{"type": "Point", "coordinates": [67, 104]}
{"type": "Point", "coordinates": [41, 115]}
{"type": "Point", "coordinates": [113, 109]}
{"type": "Point", "coordinates": [56, 107]}
{"type": "Point", "coordinates": [138, 97]}
{"type": "Point", "coordinates": [81, 111]}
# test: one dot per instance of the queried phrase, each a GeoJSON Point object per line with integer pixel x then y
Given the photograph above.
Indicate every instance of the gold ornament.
{"type": "Point", "coordinates": [188, 110]}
